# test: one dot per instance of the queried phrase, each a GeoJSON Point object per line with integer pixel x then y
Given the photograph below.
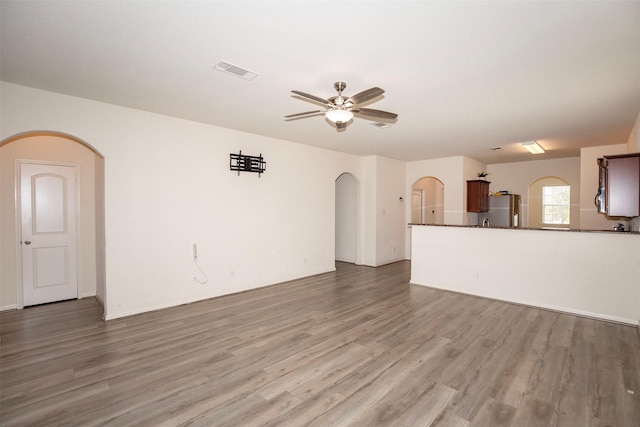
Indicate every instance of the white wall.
{"type": "Point", "coordinates": [633, 143]}
{"type": "Point", "coordinates": [430, 210]}
{"type": "Point", "coordinates": [516, 177]}
{"type": "Point", "coordinates": [101, 285]}
{"type": "Point", "coordinates": [168, 185]}
{"type": "Point", "coordinates": [453, 172]}
{"type": "Point", "coordinates": [49, 148]}
{"type": "Point", "coordinates": [588, 273]}
{"type": "Point", "coordinates": [390, 210]}
{"type": "Point", "coordinates": [450, 171]}
{"type": "Point", "coordinates": [368, 214]}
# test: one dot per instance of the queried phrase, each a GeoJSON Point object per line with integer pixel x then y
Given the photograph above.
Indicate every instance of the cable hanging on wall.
{"type": "Point", "coordinates": [195, 261]}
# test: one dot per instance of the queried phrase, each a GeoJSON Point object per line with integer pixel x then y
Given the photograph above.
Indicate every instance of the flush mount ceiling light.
{"type": "Point", "coordinates": [533, 147]}
{"type": "Point", "coordinates": [235, 70]}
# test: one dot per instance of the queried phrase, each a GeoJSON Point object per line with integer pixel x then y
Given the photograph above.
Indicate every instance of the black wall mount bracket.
{"type": "Point", "coordinates": [243, 163]}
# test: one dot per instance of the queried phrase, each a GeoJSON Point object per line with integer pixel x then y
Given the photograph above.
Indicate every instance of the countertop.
{"type": "Point", "coordinates": [572, 230]}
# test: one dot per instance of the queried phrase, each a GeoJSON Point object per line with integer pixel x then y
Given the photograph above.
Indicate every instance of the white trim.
{"type": "Point", "coordinates": [175, 303]}
{"type": "Point", "coordinates": [8, 307]}
{"type": "Point", "coordinates": [148, 309]}
{"type": "Point", "coordinates": [17, 209]}
{"type": "Point", "coordinates": [565, 310]}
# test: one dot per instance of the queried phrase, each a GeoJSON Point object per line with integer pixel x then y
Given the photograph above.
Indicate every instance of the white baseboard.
{"type": "Point", "coordinates": [147, 309]}
{"type": "Point", "coordinates": [140, 310]}
{"type": "Point", "coordinates": [599, 316]}
{"type": "Point", "coordinates": [9, 307]}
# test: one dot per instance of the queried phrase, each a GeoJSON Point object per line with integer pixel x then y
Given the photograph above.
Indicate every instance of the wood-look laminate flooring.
{"type": "Point", "coordinates": [358, 347]}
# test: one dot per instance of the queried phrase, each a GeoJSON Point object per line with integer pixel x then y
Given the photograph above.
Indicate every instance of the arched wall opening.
{"type": "Point", "coordinates": [427, 201]}
{"type": "Point", "coordinates": [346, 218]}
{"type": "Point", "coordinates": [53, 147]}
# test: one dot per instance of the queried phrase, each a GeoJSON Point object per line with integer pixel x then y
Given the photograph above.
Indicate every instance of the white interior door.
{"type": "Point", "coordinates": [48, 241]}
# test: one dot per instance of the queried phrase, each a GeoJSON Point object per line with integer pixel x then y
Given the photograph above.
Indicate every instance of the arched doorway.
{"type": "Point", "coordinates": [427, 201]}
{"type": "Point", "coordinates": [53, 149]}
{"type": "Point", "coordinates": [346, 228]}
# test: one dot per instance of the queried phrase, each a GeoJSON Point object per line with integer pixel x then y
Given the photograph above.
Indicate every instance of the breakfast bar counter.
{"type": "Point", "coordinates": [594, 274]}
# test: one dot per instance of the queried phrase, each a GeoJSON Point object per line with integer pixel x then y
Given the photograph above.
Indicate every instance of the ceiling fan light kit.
{"type": "Point", "coordinates": [340, 110]}
{"type": "Point", "coordinates": [339, 115]}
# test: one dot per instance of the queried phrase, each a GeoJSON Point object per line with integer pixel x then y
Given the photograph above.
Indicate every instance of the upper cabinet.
{"type": "Point", "coordinates": [622, 178]}
{"type": "Point", "coordinates": [478, 196]}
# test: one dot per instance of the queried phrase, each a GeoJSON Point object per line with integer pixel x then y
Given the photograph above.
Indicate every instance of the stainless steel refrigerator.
{"type": "Point", "coordinates": [504, 211]}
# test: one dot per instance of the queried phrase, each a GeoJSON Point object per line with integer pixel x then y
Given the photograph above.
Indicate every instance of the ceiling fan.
{"type": "Point", "coordinates": [340, 109]}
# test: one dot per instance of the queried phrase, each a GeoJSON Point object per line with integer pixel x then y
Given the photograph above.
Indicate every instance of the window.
{"type": "Point", "coordinates": [556, 204]}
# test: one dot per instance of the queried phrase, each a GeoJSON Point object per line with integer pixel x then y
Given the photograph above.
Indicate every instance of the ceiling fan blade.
{"type": "Point", "coordinates": [375, 113]}
{"type": "Point", "coordinates": [365, 95]}
{"type": "Point", "coordinates": [303, 114]}
{"type": "Point", "coordinates": [312, 97]}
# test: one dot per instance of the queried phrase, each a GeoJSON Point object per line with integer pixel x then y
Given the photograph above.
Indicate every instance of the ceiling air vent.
{"type": "Point", "coordinates": [236, 70]}
{"type": "Point", "coordinates": [380, 125]}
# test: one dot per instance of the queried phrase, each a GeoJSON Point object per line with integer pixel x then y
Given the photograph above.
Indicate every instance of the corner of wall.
{"type": "Point", "coordinates": [633, 143]}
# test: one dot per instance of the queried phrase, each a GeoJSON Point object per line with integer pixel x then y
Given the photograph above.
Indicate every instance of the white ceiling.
{"type": "Point", "coordinates": [462, 76]}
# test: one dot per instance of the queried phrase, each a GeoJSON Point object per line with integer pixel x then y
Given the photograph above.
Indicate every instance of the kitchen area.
{"type": "Point", "coordinates": [585, 261]}
{"type": "Point", "coordinates": [548, 199]}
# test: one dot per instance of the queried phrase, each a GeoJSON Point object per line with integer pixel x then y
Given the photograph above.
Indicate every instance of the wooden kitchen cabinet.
{"type": "Point", "coordinates": [623, 185]}
{"type": "Point", "coordinates": [478, 195]}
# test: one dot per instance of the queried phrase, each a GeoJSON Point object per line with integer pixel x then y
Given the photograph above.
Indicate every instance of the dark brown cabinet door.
{"type": "Point", "coordinates": [623, 185]}
{"type": "Point", "coordinates": [478, 196]}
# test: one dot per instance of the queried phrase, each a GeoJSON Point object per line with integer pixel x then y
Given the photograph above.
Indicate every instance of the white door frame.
{"type": "Point", "coordinates": [18, 221]}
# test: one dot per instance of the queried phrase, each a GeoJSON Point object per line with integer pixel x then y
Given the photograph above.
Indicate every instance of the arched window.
{"type": "Point", "coordinates": [550, 203]}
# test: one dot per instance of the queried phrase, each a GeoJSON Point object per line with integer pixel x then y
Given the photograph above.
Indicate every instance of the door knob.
{"type": "Point", "coordinates": [27, 242]}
